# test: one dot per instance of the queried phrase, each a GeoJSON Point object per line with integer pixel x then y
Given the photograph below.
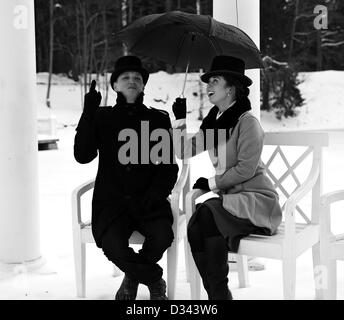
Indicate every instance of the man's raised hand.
{"type": "Point", "coordinates": [92, 99]}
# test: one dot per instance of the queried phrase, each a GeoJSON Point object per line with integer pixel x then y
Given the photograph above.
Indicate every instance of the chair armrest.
{"type": "Point", "coordinates": [297, 195]}
{"type": "Point", "coordinates": [175, 196]}
{"type": "Point", "coordinates": [178, 188]}
{"type": "Point", "coordinates": [325, 213]}
{"type": "Point", "coordinates": [329, 198]}
{"type": "Point", "coordinates": [83, 188]}
{"type": "Point", "coordinates": [76, 196]}
{"type": "Point", "coordinates": [191, 200]}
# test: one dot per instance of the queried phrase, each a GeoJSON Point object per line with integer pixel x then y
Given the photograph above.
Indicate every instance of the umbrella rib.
{"type": "Point", "coordinates": [180, 45]}
{"type": "Point", "coordinates": [211, 28]}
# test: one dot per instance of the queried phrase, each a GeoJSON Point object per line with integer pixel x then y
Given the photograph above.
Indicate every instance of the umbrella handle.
{"type": "Point", "coordinates": [193, 37]}
{"type": "Point", "coordinates": [186, 75]}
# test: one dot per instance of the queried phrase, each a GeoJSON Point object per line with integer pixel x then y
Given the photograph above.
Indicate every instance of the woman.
{"type": "Point", "coordinates": [247, 202]}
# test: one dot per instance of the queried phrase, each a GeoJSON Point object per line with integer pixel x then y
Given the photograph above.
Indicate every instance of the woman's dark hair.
{"type": "Point", "coordinates": [241, 90]}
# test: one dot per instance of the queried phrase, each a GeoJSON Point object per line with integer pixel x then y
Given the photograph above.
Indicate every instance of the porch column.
{"type": "Point", "coordinates": [19, 205]}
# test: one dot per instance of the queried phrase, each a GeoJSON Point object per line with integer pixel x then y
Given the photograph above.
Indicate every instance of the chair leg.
{"type": "Point", "coordinates": [332, 280]}
{"type": "Point", "coordinates": [195, 278]}
{"type": "Point", "coordinates": [316, 264]}
{"type": "Point", "coordinates": [289, 277]}
{"type": "Point", "coordinates": [172, 264]}
{"type": "Point", "coordinates": [242, 271]}
{"type": "Point", "coordinates": [187, 259]}
{"type": "Point", "coordinates": [330, 289]}
{"type": "Point", "coordinates": [80, 268]}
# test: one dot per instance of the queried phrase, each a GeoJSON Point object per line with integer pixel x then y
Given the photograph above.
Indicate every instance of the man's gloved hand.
{"type": "Point", "coordinates": [92, 100]}
{"type": "Point", "coordinates": [152, 200]}
{"type": "Point", "coordinates": [179, 108]}
{"type": "Point", "coordinates": [201, 183]}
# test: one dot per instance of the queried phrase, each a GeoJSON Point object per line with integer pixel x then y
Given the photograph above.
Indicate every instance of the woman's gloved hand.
{"type": "Point", "coordinates": [92, 100]}
{"type": "Point", "coordinates": [179, 108]}
{"type": "Point", "coordinates": [201, 183]}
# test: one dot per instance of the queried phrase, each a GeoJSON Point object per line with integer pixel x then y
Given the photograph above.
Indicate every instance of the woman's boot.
{"type": "Point", "coordinates": [201, 264]}
{"type": "Point", "coordinates": [217, 268]}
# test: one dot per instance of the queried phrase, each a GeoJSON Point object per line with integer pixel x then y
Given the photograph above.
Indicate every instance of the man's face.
{"type": "Point", "coordinates": [130, 83]}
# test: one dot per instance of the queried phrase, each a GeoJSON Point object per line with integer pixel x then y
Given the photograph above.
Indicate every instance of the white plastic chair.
{"type": "Point", "coordinates": [292, 238]}
{"type": "Point", "coordinates": [82, 233]}
{"type": "Point", "coordinates": [331, 246]}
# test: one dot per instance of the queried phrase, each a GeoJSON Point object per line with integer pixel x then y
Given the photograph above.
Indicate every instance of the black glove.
{"type": "Point", "coordinates": [92, 100]}
{"type": "Point", "coordinates": [152, 200]}
{"type": "Point", "coordinates": [201, 183]}
{"type": "Point", "coordinates": [179, 108]}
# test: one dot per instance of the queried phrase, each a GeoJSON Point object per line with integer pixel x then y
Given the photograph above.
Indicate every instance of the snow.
{"type": "Point", "coordinates": [323, 107]}
{"type": "Point", "coordinates": [59, 174]}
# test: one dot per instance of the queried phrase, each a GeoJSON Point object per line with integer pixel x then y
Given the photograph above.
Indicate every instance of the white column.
{"type": "Point", "coordinates": [19, 209]}
{"type": "Point", "coordinates": [243, 14]}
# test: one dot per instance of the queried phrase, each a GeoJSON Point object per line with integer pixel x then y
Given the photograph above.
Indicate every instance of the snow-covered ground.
{"type": "Point", "coordinates": [59, 174]}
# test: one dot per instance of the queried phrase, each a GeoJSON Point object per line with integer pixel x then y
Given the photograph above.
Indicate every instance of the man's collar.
{"type": "Point", "coordinates": [122, 101]}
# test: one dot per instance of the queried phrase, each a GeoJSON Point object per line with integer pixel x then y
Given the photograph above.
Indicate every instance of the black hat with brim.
{"type": "Point", "coordinates": [227, 66]}
{"type": "Point", "coordinates": [128, 63]}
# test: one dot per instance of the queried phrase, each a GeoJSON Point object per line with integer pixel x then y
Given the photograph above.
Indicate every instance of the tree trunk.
{"type": "Point", "coordinates": [85, 56]}
{"type": "Point", "coordinates": [198, 6]}
{"type": "Point", "coordinates": [124, 22]}
{"type": "Point", "coordinates": [168, 5]}
{"type": "Point", "coordinates": [51, 52]}
{"type": "Point", "coordinates": [130, 11]}
{"type": "Point", "coordinates": [319, 51]}
{"type": "Point", "coordinates": [105, 61]}
{"type": "Point", "coordinates": [291, 46]}
{"type": "Point", "coordinates": [200, 85]}
{"type": "Point", "coordinates": [79, 50]}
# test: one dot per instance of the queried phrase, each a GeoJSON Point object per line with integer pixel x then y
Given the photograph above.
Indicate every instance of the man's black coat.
{"type": "Point", "coordinates": [121, 188]}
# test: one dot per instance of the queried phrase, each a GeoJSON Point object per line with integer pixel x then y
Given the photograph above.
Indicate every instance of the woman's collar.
{"type": "Point", "coordinates": [221, 112]}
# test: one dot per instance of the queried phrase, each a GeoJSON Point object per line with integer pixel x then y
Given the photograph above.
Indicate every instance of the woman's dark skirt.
{"type": "Point", "coordinates": [232, 228]}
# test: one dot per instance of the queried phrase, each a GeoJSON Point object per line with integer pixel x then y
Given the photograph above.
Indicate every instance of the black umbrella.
{"type": "Point", "coordinates": [184, 39]}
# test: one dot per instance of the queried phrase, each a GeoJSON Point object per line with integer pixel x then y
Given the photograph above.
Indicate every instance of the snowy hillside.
{"type": "Point", "coordinates": [323, 93]}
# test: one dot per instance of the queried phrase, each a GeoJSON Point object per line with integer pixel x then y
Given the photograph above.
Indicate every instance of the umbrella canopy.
{"type": "Point", "coordinates": [178, 38]}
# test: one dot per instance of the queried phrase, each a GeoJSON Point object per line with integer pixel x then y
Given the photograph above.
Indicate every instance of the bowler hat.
{"type": "Point", "coordinates": [230, 66]}
{"type": "Point", "coordinates": [128, 63]}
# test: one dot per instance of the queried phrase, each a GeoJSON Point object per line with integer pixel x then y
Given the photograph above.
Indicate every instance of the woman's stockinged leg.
{"type": "Point", "coordinates": [210, 252]}
{"type": "Point", "coordinates": [202, 227]}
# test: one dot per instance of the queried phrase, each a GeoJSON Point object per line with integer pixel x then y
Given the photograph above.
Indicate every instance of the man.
{"type": "Point", "coordinates": [128, 195]}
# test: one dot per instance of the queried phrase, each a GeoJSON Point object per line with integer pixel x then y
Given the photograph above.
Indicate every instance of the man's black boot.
{"type": "Point", "coordinates": [217, 268]}
{"type": "Point", "coordinates": [127, 290]}
{"type": "Point", "coordinates": [158, 290]}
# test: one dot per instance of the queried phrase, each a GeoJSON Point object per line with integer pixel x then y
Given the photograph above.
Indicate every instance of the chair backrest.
{"type": "Point", "coordinates": [293, 159]}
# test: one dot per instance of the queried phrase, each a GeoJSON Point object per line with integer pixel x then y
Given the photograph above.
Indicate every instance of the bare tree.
{"type": "Point", "coordinates": [293, 28]}
{"type": "Point", "coordinates": [51, 51]}
{"type": "Point", "coordinates": [124, 6]}
{"type": "Point", "coordinates": [200, 85]}
{"type": "Point", "coordinates": [130, 11]}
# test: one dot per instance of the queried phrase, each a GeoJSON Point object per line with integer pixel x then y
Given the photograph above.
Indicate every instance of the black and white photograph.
{"type": "Point", "coordinates": [176, 150]}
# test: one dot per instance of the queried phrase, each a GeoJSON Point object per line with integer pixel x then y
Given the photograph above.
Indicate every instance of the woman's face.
{"type": "Point", "coordinates": [218, 91]}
